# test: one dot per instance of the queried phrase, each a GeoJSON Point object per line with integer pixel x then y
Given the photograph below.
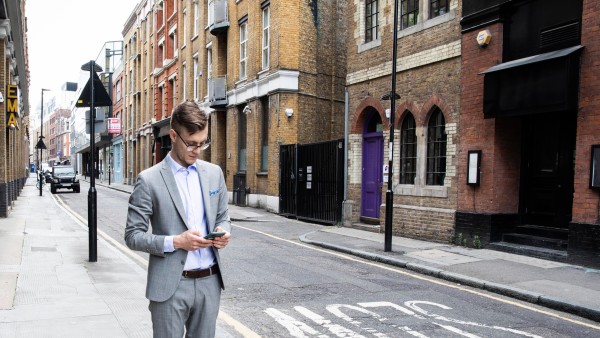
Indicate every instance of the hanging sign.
{"type": "Point", "coordinates": [114, 125]}
{"type": "Point", "coordinates": [12, 107]}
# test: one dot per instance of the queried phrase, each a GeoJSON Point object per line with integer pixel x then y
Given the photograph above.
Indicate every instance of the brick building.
{"type": "Point", "coordinates": [58, 136]}
{"type": "Point", "coordinates": [426, 117]}
{"type": "Point", "coordinates": [144, 75]}
{"type": "Point", "coordinates": [530, 109]}
{"type": "Point", "coordinates": [14, 86]}
{"type": "Point", "coordinates": [283, 67]}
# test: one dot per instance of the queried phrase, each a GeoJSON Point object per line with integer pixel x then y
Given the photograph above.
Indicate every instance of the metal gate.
{"type": "Point", "coordinates": [287, 174]}
{"type": "Point", "coordinates": [312, 178]}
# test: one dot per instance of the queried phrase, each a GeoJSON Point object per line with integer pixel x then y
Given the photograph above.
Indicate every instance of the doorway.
{"type": "Point", "coordinates": [372, 169]}
{"type": "Point", "coordinates": [547, 170]}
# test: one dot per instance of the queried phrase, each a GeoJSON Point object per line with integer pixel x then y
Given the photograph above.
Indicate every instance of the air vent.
{"type": "Point", "coordinates": [565, 35]}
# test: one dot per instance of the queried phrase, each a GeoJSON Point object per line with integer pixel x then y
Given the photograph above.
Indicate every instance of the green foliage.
{"type": "Point", "coordinates": [476, 242]}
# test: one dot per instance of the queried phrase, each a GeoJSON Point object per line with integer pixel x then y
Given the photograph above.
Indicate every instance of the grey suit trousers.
{"type": "Point", "coordinates": [195, 305]}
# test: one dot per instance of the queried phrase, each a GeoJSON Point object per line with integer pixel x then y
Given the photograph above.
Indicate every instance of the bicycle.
{"type": "Point", "coordinates": [37, 184]}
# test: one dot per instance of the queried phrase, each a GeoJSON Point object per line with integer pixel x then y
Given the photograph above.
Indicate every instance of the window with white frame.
{"type": "Point", "coordinates": [408, 150]}
{"type": "Point", "coordinates": [161, 53]}
{"type": "Point", "coordinates": [118, 86]}
{"type": "Point", "coordinates": [184, 81]}
{"type": "Point", "coordinates": [173, 42]}
{"type": "Point", "coordinates": [208, 65]}
{"type": "Point", "coordinates": [266, 21]}
{"type": "Point", "coordinates": [196, 18]}
{"type": "Point", "coordinates": [196, 77]}
{"type": "Point", "coordinates": [184, 27]}
{"type": "Point", "coordinates": [436, 149]}
{"type": "Point", "coordinates": [173, 91]}
{"type": "Point", "coordinates": [243, 50]}
{"type": "Point", "coordinates": [437, 8]}
{"type": "Point", "coordinates": [371, 20]}
{"type": "Point", "coordinates": [409, 11]}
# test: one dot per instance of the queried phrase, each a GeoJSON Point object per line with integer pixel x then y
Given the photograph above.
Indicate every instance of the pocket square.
{"type": "Point", "coordinates": [214, 192]}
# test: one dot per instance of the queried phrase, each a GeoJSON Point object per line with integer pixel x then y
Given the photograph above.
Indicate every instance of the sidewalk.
{"type": "Point", "coordinates": [48, 288]}
{"type": "Point", "coordinates": [555, 285]}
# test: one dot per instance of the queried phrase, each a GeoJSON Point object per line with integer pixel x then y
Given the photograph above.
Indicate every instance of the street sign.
{"type": "Point", "coordinates": [114, 125]}
{"type": "Point", "coordinates": [99, 125]}
{"type": "Point", "coordinates": [12, 106]}
{"type": "Point", "coordinates": [101, 97]}
{"type": "Point", "coordinates": [40, 145]}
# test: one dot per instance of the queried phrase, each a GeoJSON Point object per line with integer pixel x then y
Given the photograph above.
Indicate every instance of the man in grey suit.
{"type": "Point", "coordinates": [183, 199]}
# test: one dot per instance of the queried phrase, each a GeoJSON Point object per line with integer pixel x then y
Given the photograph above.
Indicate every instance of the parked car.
{"type": "Point", "coordinates": [47, 175]}
{"type": "Point", "coordinates": [64, 177]}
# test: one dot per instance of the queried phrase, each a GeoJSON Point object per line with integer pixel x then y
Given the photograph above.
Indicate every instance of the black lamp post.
{"type": "Point", "coordinates": [92, 67]}
{"type": "Point", "coordinates": [393, 96]}
{"type": "Point", "coordinates": [41, 140]}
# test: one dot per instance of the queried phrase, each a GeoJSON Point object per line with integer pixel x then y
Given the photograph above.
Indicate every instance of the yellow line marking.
{"type": "Point", "coordinates": [431, 280]}
{"type": "Point", "coordinates": [236, 325]}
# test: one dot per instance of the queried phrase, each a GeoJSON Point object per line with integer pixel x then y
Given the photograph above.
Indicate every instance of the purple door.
{"type": "Point", "coordinates": [372, 175]}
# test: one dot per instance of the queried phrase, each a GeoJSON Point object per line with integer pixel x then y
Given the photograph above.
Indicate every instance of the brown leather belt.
{"type": "Point", "coordinates": [201, 273]}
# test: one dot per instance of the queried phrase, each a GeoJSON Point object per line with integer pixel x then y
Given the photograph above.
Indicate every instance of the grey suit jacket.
{"type": "Point", "coordinates": [155, 201]}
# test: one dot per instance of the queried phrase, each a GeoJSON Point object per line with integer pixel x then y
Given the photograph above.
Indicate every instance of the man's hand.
{"type": "Point", "coordinates": [191, 240]}
{"type": "Point", "coordinates": [221, 242]}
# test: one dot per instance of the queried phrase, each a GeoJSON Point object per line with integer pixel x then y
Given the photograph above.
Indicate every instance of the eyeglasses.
{"type": "Point", "coordinates": [193, 147]}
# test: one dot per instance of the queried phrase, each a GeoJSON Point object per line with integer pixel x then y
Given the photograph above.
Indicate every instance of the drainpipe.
{"type": "Point", "coordinates": [345, 143]}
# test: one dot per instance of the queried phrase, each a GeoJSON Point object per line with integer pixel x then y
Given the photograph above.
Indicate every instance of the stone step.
{"type": "Point", "coordinates": [535, 241]}
{"type": "Point", "coordinates": [532, 251]}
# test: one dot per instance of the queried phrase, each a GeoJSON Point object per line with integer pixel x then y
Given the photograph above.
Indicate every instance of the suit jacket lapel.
{"type": "Point", "coordinates": [171, 186]}
{"type": "Point", "coordinates": [205, 187]}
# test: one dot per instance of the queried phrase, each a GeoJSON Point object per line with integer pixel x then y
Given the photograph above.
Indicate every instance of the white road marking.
{"type": "Point", "coordinates": [424, 278]}
{"type": "Point", "coordinates": [295, 327]}
{"type": "Point", "coordinates": [335, 329]}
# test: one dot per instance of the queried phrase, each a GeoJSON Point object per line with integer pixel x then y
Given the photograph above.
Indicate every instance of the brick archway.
{"type": "Point", "coordinates": [359, 119]}
{"type": "Point", "coordinates": [427, 108]}
{"type": "Point", "coordinates": [401, 111]}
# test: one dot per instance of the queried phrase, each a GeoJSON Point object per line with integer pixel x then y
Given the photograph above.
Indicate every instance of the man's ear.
{"type": "Point", "coordinates": [172, 134]}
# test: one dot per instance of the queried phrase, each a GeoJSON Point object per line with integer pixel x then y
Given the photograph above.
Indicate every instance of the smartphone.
{"type": "Point", "coordinates": [212, 235]}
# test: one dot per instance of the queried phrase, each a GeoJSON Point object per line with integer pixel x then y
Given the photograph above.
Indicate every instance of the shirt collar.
{"type": "Point", "coordinates": [176, 167]}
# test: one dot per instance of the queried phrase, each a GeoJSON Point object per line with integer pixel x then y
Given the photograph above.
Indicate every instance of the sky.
{"type": "Point", "coordinates": [65, 34]}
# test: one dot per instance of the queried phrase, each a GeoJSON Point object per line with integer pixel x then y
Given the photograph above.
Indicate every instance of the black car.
{"type": "Point", "coordinates": [64, 177]}
{"type": "Point", "coordinates": [47, 175]}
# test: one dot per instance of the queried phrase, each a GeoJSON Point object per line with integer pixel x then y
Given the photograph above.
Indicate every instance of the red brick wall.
{"type": "Point", "coordinates": [586, 202]}
{"type": "Point", "coordinates": [498, 139]}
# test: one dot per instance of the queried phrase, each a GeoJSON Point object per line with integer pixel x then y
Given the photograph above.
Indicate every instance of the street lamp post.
{"type": "Point", "coordinates": [41, 140]}
{"type": "Point", "coordinates": [389, 194]}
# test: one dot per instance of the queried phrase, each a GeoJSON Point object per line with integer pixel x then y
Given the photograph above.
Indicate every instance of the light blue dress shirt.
{"type": "Point", "coordinates": [188, 185]}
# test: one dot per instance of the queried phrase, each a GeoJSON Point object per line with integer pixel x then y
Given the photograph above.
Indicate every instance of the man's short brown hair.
{"type": "Point", "coordinates": [189, 116]}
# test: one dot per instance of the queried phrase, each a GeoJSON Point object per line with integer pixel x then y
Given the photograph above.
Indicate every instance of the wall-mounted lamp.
{"type": "Point", "coordinates": [474, 167]}
{"type": "Point", "coordinates": [595, 167]}
{"type": "Point", "coordinates": [289, 112]}
{"type": "Point", "coordinates": [484, 37]}
{"type": "Point", "coordinates": [246, 110]}
{"type": "Point", "coordinates": [388, 112]}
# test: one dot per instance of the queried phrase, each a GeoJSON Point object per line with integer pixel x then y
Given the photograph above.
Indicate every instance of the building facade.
{"type": "Point", "coordinates": [529, 110]}
{"type": "Point", "coordinates": [15, 160]}
{"type": "Point", "coordinates": [248, 62]}
{"type": "Point", "coordinates": [139, 86]}
{"type": "Point", "coordinates": [426, 116]}
{"type": "Point", "coordinates": [281, 66]}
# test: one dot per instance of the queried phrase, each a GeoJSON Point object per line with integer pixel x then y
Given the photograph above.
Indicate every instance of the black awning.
{"type": "Point", "coordinates": [541, 83]}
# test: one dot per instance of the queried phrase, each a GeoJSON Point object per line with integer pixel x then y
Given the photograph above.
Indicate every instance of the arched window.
{"type": "Point", "coordinates": [408, 150]}
{"type": "Point", "coordinates": [374, 125]}
{"type": "Point", "coordinates": [436, 149]}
